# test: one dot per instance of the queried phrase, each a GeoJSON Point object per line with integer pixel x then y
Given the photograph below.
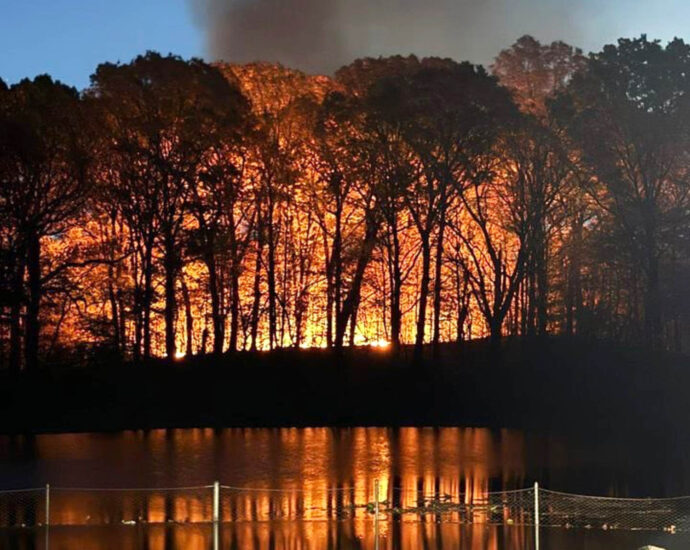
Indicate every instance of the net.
{"type": "Point", "coordinates": [22, 508]}
{"type": "Point", "coordinates": [501, 508]}
{"type": "Point", "coordinates": [205, 504]}
{"type": "Point", "coordinates": [70, 506]}
{"type": "Point", "coordinates": [313, 503]}
{"type": "Point", "coordinates": [591, 512]}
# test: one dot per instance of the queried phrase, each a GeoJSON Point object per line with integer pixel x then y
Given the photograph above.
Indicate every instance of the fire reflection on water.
{"type": "Point", "coordinates": [333, 535]}
{"type": "Point", "coordinates": [311, 474]}
{"type": "Point", "coordinates": [282, 535]}
{"type": "Point", "coordinates": [286, 488]}
{"type": "Point", "coordinates": [309, 488]}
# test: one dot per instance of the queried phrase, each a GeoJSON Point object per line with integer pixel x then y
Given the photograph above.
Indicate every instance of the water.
{"type": "Point", "coordinates": [310, 466]}
{"type": "Point", "coordinates": [330, 536]}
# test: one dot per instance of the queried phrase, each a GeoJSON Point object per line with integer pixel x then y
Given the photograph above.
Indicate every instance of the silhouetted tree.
{"type": "Point", "coordinates": [405, 199]}
{"type": "Point", "coordinates": [164, 115]}
{"type": "Point", "coordinates": [534, 72]}
{"type": "Point", "coordinates": [43, 184]}
{"type": "Point", "coordinates": [628, 113]}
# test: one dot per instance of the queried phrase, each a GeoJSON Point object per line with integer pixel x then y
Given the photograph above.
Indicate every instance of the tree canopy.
{"type": "Point", "coordinates": [177, 207]}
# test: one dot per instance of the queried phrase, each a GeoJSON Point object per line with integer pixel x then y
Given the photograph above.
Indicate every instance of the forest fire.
{"type": "Point", "coordinates": [344, 274]}
{"type": "Point", "coordinates": [177, 208]}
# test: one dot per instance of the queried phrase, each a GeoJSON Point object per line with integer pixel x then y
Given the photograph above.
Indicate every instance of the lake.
{"type": "Point", "coordinates": [303, 488]}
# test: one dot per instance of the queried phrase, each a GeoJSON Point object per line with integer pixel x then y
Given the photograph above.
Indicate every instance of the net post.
{"type": "Point", "coordinates": [376, 514]}
{"type": "Point", "coordinates": [216, 501]}
{"type": "Point", "coordinates": [536, 515]}
{"type": "Point", "coordinates": [47, 521]}
{"type": "Point", "coordinates": [216, 536]}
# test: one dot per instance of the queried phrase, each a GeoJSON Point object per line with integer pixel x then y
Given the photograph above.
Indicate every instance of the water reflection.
{"type": "Point", "coordinates": [277, 536]}
{"type": "Point", "coordinates": [343, 535]}
{"type": "Point", "coordinates": [294, 458]}
{"type": "Point", "coordinates": [291, 489]}
{"type": "Point", "coordinates": [311, 474]}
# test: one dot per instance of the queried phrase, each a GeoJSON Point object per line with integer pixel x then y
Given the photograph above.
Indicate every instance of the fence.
{"type": "Point", "coordinates": [217, 503]}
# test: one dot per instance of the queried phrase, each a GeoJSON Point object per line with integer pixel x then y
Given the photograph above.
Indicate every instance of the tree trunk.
{"type": "Point", "coordinates": [114, 312]}
{"type": "Point", "coordinates": [652, 303]}
{"type": "Point", "coordinates": [542, 280]}
{"type": "Point", "coordinates": [573, 299]}
{"type": "Point", "coordinates": [353, 324]}
{"type": "Point", "coordinates": [33, 265]}
{"type": "Point", "coordinates": [352, 299]}
{"type": "Point", "coordinates": [337, 259]}
{"type": "Point", "coordinates": [170, 266]}
{"type": "Point", "coordinates": [495, 329]}
{"type": "Point", "coordinates": [329, 299]}
{"type": "Point", "coordinates": [137, 313]}
{"type": "Point", "coordinates": [438, 271]}
{"type": "Point", "coordinates": [396, 284]}
{"type": "Point", "coordinates": [271, 277]}
{"type": "Point", "coordinates": [214, 291]}
{"type": "Point", "coordinates": [189, 320]}
{"type": "Point", "coordinates": [334, 263]}
{"type": "Point", "coordinates": [461, 287]}
{"type": "Point", "coordinates": [531, 294]}
{"type": "Point", "coordinates": [148, 299]}
{"type": "Point", "coordinates": [15, 315]}
{"type": "Point", "coordinates": [254, 330]}
{"type": "Point", "coordinates": [423, 295]}
{"type": "Point", "coordinates": [234, 308]}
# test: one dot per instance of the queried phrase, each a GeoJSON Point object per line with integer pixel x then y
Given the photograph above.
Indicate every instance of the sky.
{"type": "Point", "coordinates": [69, 38]}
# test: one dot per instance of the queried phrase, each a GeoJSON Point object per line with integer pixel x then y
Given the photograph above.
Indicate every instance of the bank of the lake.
{"type": "Point", "coordinates": [554, 385]}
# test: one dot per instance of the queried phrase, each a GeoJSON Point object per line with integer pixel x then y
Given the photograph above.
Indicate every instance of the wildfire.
{"type": "Point", "coordinates": [382, 344]}
{"type": "Point", "coordinates": [291, 211]}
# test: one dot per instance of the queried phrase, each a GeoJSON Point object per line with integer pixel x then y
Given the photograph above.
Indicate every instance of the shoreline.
{"type": "Point", "coordinates": [553, 385]}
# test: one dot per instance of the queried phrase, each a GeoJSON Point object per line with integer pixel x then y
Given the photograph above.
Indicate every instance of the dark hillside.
{"type": "Point", "coordinates": [555, 385]}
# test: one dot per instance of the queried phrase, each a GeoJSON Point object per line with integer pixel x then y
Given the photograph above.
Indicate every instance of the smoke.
{"type": "Point", "coordinates": [321, 35]}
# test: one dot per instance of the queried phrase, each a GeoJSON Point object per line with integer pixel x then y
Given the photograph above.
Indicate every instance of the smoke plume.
{"type": "Point", "coordinates": [319, 36]}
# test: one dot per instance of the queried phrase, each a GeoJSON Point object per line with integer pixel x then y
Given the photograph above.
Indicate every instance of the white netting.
{"type": "Point", "coordinates": [127, 506]}
{"type": "Point", "coordinates": [591, 512]}
{"type": "Point", "coordinates": [22, 508]}
{"type": "Point", "coordinates": [195, 505]}
{"type": "Point", "coordinates": [501, 508]}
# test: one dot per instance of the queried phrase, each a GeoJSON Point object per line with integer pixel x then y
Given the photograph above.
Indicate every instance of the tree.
{"type": "Point", "coordinates": [628, 114]}
{"type": "Point", "coordinates": [223, 226]}
{"type": "Point", "coordinates": [491, 235]}
{"type": "Point", "coordinates": [451, 109]}
{"type": "Point", "coordinates": [330, 197]}
{"type": "Point", "coordinates": [43, 185]}
{"type": "Point", "coordinates": [375, 168]}
{"type": "Point", "coordinates": [275, 173]}
{"type": "Point", "coordinates": [165, 115]}
{"type": "Point", "coordinates": [534, 72]}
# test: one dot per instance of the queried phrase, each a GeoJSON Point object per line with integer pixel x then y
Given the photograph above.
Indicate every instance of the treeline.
{"type": "Point", "coordinates": [176, 207]}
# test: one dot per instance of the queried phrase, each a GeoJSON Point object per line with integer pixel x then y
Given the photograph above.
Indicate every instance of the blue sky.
{"type": "Point", "coordinates": [69, 38]}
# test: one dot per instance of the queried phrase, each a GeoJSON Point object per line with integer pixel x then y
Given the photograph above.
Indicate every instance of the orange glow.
{"type": "Point", "coordinates": [304, 224]}
{"type": "Point", "coordinates": [380, 344]}
{"type": "Point", "coordinates": [313, 474]}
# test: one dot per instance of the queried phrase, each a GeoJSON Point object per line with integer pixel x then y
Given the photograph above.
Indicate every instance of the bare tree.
{"type": "Point", "coordinates": [43, 185]}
